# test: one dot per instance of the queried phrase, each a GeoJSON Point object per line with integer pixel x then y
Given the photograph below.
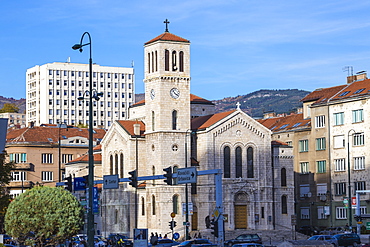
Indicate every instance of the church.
{"type": "Point", "coordinates": [173, 128]}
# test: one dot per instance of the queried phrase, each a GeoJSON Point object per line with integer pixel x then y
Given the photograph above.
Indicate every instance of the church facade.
{"type": "Point", "coordinates": [172, 127]}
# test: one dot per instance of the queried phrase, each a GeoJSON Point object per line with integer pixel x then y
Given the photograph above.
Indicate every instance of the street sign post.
{"type": "Point", "coordinates": [187, 175]}
{"type": "Point", "coordinates": [110, 181]}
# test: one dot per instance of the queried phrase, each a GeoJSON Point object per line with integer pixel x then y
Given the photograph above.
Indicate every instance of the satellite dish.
{"type": "Point", "coordinates": [323, 198]}
{"type": "Point", "coordinates": [309, 194]}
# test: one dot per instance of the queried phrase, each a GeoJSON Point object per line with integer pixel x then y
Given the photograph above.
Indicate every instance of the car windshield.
{"type": "Point", "coordinates": [244, 237]}
{"type": "Point", "coordinates": [313, 238]}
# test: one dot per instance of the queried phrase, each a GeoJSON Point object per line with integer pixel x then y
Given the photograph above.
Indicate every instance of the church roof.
{"type": "Point", "coordinates": [167, 36]}
{"type": "Point", "coordinates": [128, 125]}
{"type": "Point", "coordinates": [203, 122]}
{"type": "Point", "coordinates": [194, 99]}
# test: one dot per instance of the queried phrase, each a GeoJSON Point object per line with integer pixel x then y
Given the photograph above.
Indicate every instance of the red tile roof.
{"type": "Point", "coordinates": [322, 94]}
{"type": "Point", "coordinates": [85, 159]}
{"type": "Point", "coordinates": [206, 121]}
{"type": "Point", "coordinates": [128, 125]}
{"type": "Point", "coordinates": [167, 36]}
{"type": "Point", "coordinates": [288, 123]}
{"type": "Point", "coordinates": [193, 100]}
{"type": "Point", "coordinates": [355, 89]}
{"type": "Point", "coordinates": [48, 134]}
{"type": "Point", "coordinates": [278, 143]}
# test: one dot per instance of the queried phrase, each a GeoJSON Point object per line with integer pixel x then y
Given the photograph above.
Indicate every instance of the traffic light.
{"type": "Point", "coordinates": [172, 224]}
{"type": "Point", "coordinates": [86, 181]}
{"type": "Point", "coordinates": [214, 227]}
{"type": "Point", "coordinates": [168, 175]}
{"type": "Point", "coordinates": [133, 178]}
{"type": "Point", "coordinates": [358, 218]}
{"type": "Point", "coordinates": [69, 183]}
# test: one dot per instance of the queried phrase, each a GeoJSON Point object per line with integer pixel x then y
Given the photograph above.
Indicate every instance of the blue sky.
{"type": "Point", "coordinates": [237, 47]}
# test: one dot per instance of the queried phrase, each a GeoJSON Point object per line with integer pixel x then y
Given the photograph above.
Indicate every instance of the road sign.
{"type": "Point", "coordinates": [187, 175]}
{"type": "Point", "coordinates": [79, 184]}
{"type": "Point", "coordinates": [176, 235]}
{"type": "Point", "coordinates": [367, 225]}
{"type": "Point", "coordinates": [172, 215]}
{"type": "Point", "coordinates": [110, 181]}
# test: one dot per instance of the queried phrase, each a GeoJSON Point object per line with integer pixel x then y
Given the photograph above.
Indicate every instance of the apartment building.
{"type": "Point", "coordinates": [14, 119]}
{"type": "Point", "coordinates": [329, 142]}
{"type": "Point", "coordinates": [53, 90]}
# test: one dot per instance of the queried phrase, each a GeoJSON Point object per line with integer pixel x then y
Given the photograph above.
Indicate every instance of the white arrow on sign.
{"type": "Point", "coordinates": [110, 181]}
{"type": "Point", "coordinates": [187, 175]}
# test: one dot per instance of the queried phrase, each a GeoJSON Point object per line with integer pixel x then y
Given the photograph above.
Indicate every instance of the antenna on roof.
{"type": "Point", "coordinates": [349, 70]}
{"type": "Point", "coordinates": [132, 63]}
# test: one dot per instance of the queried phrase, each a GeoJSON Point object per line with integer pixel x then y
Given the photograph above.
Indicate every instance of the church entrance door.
{"type": "Point", "coordinates": [241, 217]}
{"type": "Point", "coordinates": [194, 221]}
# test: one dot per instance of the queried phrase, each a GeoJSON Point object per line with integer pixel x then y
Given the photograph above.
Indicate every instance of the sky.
{"type": "Point", "coordinates": [237, 47]}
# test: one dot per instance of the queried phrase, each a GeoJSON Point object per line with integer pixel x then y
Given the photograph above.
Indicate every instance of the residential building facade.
{"type": "Point", "coordinates": [15, 119]}
{"type": "Point", "coordinates": [53, 90]}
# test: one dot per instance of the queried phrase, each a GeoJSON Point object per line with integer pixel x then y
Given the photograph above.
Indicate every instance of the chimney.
{"type": "Point", "coordinates": [31, 124]}
{"type": "Point", "coordinates": [137, 129]}
{"type": "Point", "coordinates": [360, 76]}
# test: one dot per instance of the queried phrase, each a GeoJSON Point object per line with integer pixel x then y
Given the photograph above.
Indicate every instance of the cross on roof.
{"type": "Point", "coordinates": [167, 22]}
{"type": "Point", "coordinates": [237, 105]}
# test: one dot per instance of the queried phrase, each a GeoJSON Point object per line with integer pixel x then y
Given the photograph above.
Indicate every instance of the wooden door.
{"type": "Point", "coordinates": [240, 217]}
{"type": "Point", "coordinates": [194, 221]}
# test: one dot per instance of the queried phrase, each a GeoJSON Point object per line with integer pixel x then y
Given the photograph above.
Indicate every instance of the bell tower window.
{"type": "Point", "coordinates": [174, 61]}
{"type": "Point", "coordinates": [153, 120]}
{"type": "Point", "coordinates": [152, 62]}
{"type": "Point", "coordinates": [174, 119]}
{"type": "Point", "coordinates": [149, 62]}
{"type": "Point", "coordinates": [181, 61]}
{"type": "Point", "coordinates": [156, 61]}
{"type": "Point", "coordinates": [166, 60]}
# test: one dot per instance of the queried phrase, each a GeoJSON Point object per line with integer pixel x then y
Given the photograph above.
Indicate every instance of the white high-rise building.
{"type": "Point", "coordinates": [53, 90]}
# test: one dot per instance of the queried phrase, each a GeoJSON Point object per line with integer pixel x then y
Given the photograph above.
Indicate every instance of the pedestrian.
{"type": "Point", "coordinates": [165, 236]}
{"type": "Point", "coordinates": [153, 239]}
{"type": "Point", "coordinates": [160, 236]}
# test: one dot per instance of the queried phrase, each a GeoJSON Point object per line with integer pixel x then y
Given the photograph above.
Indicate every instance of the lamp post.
{"type": "Point", "coordinates": [136, 133]}
{"type": "Point", "coordinates": [349, 183]}
{"type": "Point", "coordinates": [90, 215]}
{"type": "Point", "coordinates": [59, 152]}
{"type": "Point", "coordinates": [186, 188]}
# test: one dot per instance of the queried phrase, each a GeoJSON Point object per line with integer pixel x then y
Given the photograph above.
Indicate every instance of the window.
{"type": "Point", "coordinates": [303, 146]}
{"type": "Point", "coordinates": [359, 163]}
{"type": "Point", "coordinates": [283, 176]}
{"type": "Point", "coordinates": [121, 166]}
{"type": "Point", "coordinates": [47, 176]}
{"type": "Point", "coordinates": [360, 185]}
{"type": "Point", "coordinates": [339, 141]}
{"type": "Point", "coordinates": [320, 143]}
{"type": "Point", "coordinates": [175, 204]}
{"type": "Point", "coordinates": [142, 206]}
{"type": "Point", "coordinates": [322, 189]}
{"type": "Point", "coordinates": [284, 205]}
{"type": "Point", "coordinates": [153, 121]}
{"type": "Point", "coordinates": [340, 165]}
{"type": "Point", "coordinates": [181, 61]}
{"type": "Point", "coordinates": [304, 189]}
{"type": "Point", "coordinates": [322, 212]}
{"type": "Point", "coordinates": [174, 120]}
{"type": "Point", "coordinates": [304, 167]}
{"type": "Point", "coordinates": [18, 157]}
{"type": "Point", "coordinates": [250, 165]}
{"type": "Point", "coordinates": [357, 116]}
{"type": "Point", "coordinates": [153, 205]}
{"type": "Point", "coordinates": [227, 162]}
{"type": "Point", "coordinates": [340, 189]}
{"type": "Point", "coordinates": [46, 158]}
{"type": "Point", "coordinates": [67, 158]}
{"type": "Point", "coordinates": [321, 166]}
{"type": "Point", "coordinates": [305, 213]}
{"type": "Point", "coordinates": [238, 162]}
{"type": "Point", "coordinates": [18, 176]}
{"type": "Point", "coordinates": [339, 118]}
{"type": "Point", "coordinates": [358, 139]}
{"type": "Point", "coordinates": [166, 60]}
{"type": "Point", "coordinates": [344, 93]}
{"type": "Point", "coordinates": [320, 121]}
{"type": "Point", "coordinates": [341, 213]}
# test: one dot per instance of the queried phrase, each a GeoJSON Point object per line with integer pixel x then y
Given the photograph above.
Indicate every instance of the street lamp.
{"type": "Point", "coordinates": [90, 214]}
{"type": "Point", "coordinates": [60, 125]}
{"type": "Point", "coordinates": [186, 186]}
{"type": "Point", "coordinates": [349, 183]}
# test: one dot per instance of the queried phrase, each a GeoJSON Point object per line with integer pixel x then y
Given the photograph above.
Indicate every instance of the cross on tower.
{"type": "Point", "coordinates": [167, 22]}
{"type": "Point", "coordinates": [237, 105]}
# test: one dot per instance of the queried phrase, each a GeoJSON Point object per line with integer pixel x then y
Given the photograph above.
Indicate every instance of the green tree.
{"type": "Point", "coordinates": [8, 107]}
{"type": "Point", "coordinates": [5, 178]}
{"type": "Point", "coordinates": [42, 213]}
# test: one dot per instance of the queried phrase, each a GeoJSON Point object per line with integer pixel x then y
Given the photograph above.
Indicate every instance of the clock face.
{"type": "Point", "coordinates": [152, 94]}
{"type": "Point", "coordinates": [175, 93]}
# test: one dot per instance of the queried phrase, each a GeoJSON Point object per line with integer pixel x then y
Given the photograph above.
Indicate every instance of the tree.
{"type": "Point", "coordinates": [8, 107]}
{"type": "Point", "coordinates": [5, 178]}
{"type": "Point", "coordinates": [44, 213]}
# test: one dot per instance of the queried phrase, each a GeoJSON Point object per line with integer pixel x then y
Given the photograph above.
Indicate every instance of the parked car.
{"type": "Point", "coordinates": [197, 241]}
{"type": "Point", "coordinates": [309, 230]}
{"type": "Point", "coordinates": [164, 242]}
{"type": "Point", "coordinates": [348, 239]}
{"type": "Point", "coordinates": [244, 238]}
{"type": "Point", "coordinates": [328, 238]}
{"type": "Point", "coordinates": [333, 230]}
{"type": "Point", "coordinates": [248, 245]}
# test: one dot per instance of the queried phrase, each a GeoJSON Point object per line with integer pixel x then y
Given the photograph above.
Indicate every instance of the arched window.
{"type": "Point", "coordinates": [250, 168]}
{"type": "Point", "coordinates": [142, 206]}
{"type": "Point", "coordinates": [153, 173]}
{"type": "Point", "coordinates": [121, 166]}
{"type": "Point", "coordinates": [156, 61]}
{"type": "Point", "coordinates": [283, 177]}
{"type": "Point", "coordinates": [116, 164]}
{"type": "Point", "coordinates": [175, 204]}
{"type": "Point", "coordinates": [284, 206]}
{"type": "Point", "coordinates": [149, 62]}
{"type": "Point", "coordinates": [238, 163]}
{"type": "Point", "coordinates": [174, 119]}
{"type": "Point", "coordinates": [174, 61]}
{"type": "Point", "coordinates": [153, 205]}
{"type": "Point", "coordinates": [174, 170]}
{"type": "Point", "coordinates": [111, 165]}
{"type": "Point", "coordinates": [153, 120]}
{"type": "Point", "coordinates": [226, 162]}
{"type": "Point", "coordinates": [181, 62]}
{"type": "Point", "coordinates": [152, 61]}
{"type": "Point", "coordinates": [166, 60]}
{"type": "Point", "coordinates": [116, 216]}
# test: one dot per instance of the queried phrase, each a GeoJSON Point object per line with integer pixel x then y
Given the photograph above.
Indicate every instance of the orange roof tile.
{"type": "Point", "coordinates": [288, 123]}
{"type": "Point", "coordinates": [322, 94]}
{"type": "Point", "coordinates": [206, 121]}
{"type": "Point", "coordinates": [355, 89]}
{"type": "Point", "coordinates": [167, 36]}
{"type": "Point", "coordinates": [47, 134]}
{"type": "Point", "coordinates": [128, 125]}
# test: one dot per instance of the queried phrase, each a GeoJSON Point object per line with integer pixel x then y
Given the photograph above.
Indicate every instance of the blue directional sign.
{"type": "Point", "coordinates": [79, 184]}
{"type": "Point", "coordinates": [95, 201]}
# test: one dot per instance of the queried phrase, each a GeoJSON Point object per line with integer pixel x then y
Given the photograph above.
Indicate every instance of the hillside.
{"type": "Point", "coordinates": [255, 104]}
